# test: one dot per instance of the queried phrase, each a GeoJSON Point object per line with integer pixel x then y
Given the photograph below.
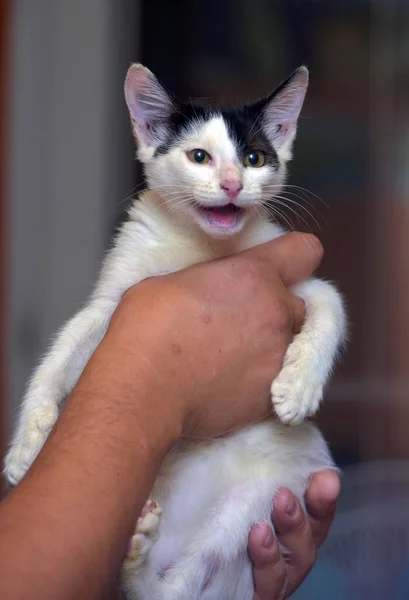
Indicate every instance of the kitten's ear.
{"type": "Point", "coordinates": [149, 105]}
{"type": "Point", "coordinates": [282, 108]}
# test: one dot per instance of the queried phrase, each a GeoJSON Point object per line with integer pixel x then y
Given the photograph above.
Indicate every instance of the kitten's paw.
{"type": "Point", "coordinates": [298, 389]}
{"type": "Point", "coordinates": [296, 396]}
{"type": "Point", "coordinates": [146, 534]}
{"type": "Point", "coordinates": [28, 443]}
{"type": "Point", "coordinates": [148, 522]}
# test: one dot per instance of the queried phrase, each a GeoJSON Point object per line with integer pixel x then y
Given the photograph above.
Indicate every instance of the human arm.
{"type": "Point", "coordinates": [176, 345]}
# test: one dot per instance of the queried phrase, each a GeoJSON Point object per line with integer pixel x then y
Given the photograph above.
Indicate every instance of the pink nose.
{"type": "Point", "coordinates": [232, 187]}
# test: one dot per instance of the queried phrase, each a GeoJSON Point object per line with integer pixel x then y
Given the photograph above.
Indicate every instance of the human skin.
{"type": "Point", "coordinates": [172, 360]}
{"type": "Point", "coordinates": [301, 534]}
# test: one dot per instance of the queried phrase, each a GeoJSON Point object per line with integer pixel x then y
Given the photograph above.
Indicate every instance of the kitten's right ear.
{"type": "Point", "coordinates": [149, 105]}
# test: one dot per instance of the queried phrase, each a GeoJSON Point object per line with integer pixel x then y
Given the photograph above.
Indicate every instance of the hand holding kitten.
{"type": "Point", "coordinates": [196, 324]}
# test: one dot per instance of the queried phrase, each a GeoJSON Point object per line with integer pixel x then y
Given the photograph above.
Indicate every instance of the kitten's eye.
{"type": "Point", "coordinates": [254, 159]}
{"type": "Point", "coordinates": [199, 156]}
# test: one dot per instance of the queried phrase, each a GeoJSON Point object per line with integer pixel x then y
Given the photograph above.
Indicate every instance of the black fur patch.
{"type": "Point", "coordinates": [242, 124]}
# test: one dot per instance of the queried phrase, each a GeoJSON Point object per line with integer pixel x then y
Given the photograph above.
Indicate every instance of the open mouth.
{"type": "Point", "coordinates": [223, 217]}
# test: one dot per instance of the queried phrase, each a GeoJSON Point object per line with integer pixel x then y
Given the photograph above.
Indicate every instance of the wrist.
{"type": "Point", "coordinates": [130, 385]}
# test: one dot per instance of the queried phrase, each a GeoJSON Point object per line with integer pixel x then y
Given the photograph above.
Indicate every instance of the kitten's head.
{"type": "Point", "coordinates": [217, 165]}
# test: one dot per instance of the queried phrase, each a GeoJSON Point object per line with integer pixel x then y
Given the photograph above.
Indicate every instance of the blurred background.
{"type": "Point", "coordinates": [67, 173]}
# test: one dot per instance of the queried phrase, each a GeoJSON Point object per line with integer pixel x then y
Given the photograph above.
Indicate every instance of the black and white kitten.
{"type": "Point", "coordinates": [210, 172]}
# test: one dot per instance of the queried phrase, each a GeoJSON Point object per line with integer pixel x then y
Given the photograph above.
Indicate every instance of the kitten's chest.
{"type": "Point", "coordinates": [195, 250]}
{"type": "Point", "coordinates": [151, 245]}
{"type": "Point", "coordinates": [176, 252]}
{"type": "Point", "coordinates": [176, 249]}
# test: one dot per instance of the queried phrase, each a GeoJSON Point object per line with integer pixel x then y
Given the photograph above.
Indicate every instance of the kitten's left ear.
{"type": "Point", "coordinates": [149, 104]}
{"type": "Point", "coordinates": [282, 108]}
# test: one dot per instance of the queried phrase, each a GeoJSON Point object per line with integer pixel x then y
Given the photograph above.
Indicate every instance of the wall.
{"type": "Point", "coordinates": [71, 162]}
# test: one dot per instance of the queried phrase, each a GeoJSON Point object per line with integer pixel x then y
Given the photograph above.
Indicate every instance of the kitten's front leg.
{"type": "Point", "coordinates": [53, 380]}
{"type": "Point", "coordinates": [298, 388]}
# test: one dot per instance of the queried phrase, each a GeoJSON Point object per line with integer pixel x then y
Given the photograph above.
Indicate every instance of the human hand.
{"type": "Point", "coordinates": [209, 340]}
{"type": "Point", "coordinates": [274, 577]}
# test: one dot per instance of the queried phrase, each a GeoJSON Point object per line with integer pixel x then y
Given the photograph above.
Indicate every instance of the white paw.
{"type": "Point", "coordinates": [298, 389]}
{"type": "Point", "coordinates": [28, 443]}
{"type": "Point", "coordinates": [146, 534]}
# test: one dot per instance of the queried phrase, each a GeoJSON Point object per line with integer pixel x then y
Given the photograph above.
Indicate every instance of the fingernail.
{"type": "Point", "coordinates": [291, 507]}
{"type": "Point", "coordinates": [269, 539]}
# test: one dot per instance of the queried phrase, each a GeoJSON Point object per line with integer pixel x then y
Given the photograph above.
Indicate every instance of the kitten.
{"type": "Point", "coordinates": [210, 173]}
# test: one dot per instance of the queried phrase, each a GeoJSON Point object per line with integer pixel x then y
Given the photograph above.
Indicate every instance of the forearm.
{"type": "Point", "coordinates": [64, 529]}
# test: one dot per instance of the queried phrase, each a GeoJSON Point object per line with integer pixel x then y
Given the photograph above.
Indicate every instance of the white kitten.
{"type": "Point", "coordinates": [210, 173]}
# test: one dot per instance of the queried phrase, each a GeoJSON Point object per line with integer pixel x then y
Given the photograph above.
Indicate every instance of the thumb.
{"type": "Point", "coordinates": [294, 255]}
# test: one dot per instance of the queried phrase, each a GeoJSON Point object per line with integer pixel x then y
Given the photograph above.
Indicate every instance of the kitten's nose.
{"type": "Point", "coordinates": [232, 187]}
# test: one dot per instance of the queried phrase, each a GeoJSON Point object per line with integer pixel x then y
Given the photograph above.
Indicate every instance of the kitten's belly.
{"type": "Point", "coordinates": [197, 477]}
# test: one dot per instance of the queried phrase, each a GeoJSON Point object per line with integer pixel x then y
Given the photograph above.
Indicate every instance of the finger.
{"type": "Point", "coordinates": [294, 534]}
{"type": "Point", "coordinates": [321, 500]}
{"type": "Point", "coordinates": [297, 310]}
{"type": "Point", "coordinates": [295, 255]}
{"type": "Point", "coordinates": [269, 568]}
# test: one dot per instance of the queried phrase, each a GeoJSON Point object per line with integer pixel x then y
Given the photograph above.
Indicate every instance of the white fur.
{"type": "Point", "coordinates": [213, 492]}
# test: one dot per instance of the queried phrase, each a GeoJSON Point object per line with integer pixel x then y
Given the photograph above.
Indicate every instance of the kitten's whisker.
{"type": "Point", "coordinates": [273, 211]}
{"type": "Point", "coordinates": [309, 201]}
{"type": "Point", "coordinates": [172, 187]}
{"type": "Point", "coordinates": [137, 189]}
{"type": "Point", "coordinates": [300, 206]}
{"type": "Point", "coordinates": [311, 206]}
{"type": "Point", "coordinates": [282, 216]}
{"type": "Point", "coordinates": [307, 225]}
{"type": "Point", "coordinates": [171, 207]}
{"type": "Point", "coordinates": [302, 189]}
{"type": "Point", "coordinates": [308, 193]}
{"type": "Point", "coordinates": [259, 130]}
{"type": "Point", "coordinates": [281, 201]}
{"type": "Point", "coordinates": [277, 201]}
{"type": "Point", "coordinates": [194, 109]}
{"type": "Point", "coordinates": [176, 205]}
{"type": "Point", "coordinates": [254, 124]}
{"type": "Point", "coordinates": [175, 193]}
{"type": "Point", "coordinates": [302, 197]}
{"type": "Point", "coordinates": [179, 202]}
{"type": "Point", "coordinates": [182, 201]}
